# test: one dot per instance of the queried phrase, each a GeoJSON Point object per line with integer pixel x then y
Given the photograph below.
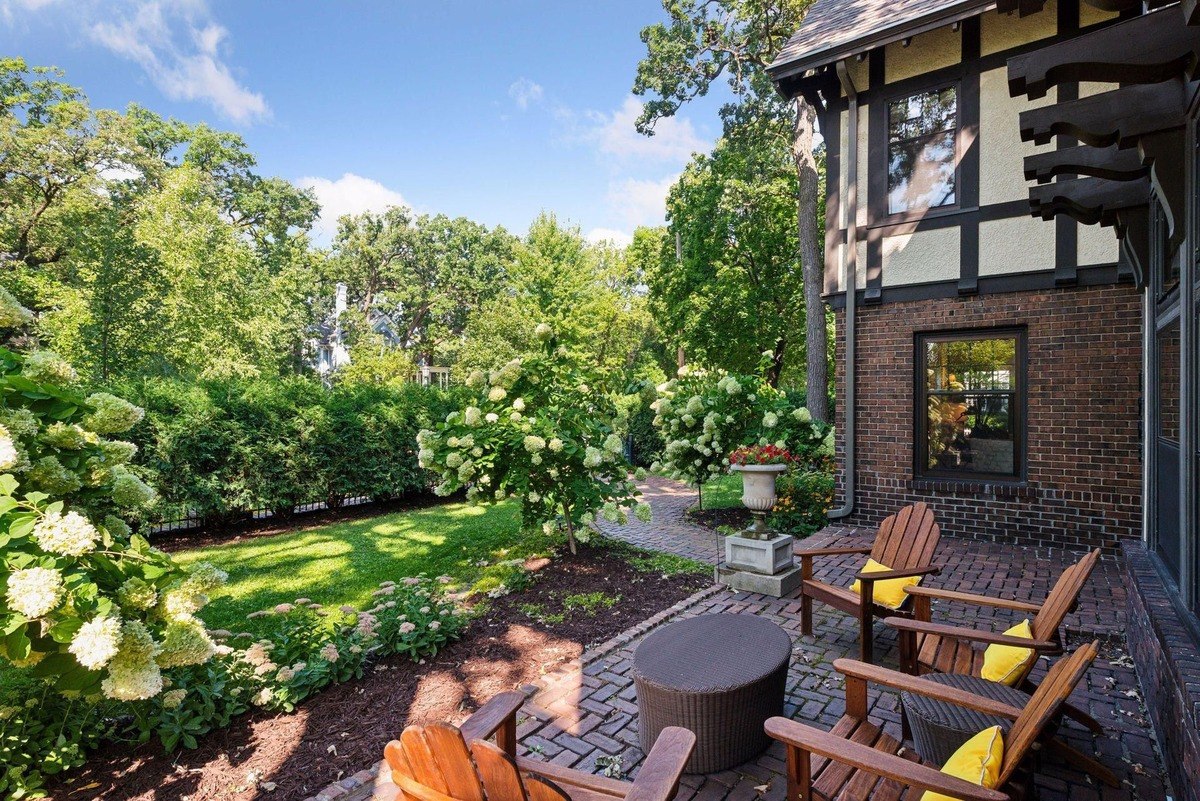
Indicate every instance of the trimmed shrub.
{"type": "Point", "coordinates": [218, 450]}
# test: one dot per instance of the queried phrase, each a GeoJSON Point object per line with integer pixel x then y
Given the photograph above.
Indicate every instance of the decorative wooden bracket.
{"type": "Point", "coordinates": [1088, 200]}
{"type": "Point", "coordinates": [1133, 234]}
{"type": "Point", "coordinates": [1164, 153]}
{"type": "Point", "coordinates": [1109, 162]}
{"type": "Point", "coordinates": [1148, 49]}
{"type": "Point", "coordinates": [1118, 117]}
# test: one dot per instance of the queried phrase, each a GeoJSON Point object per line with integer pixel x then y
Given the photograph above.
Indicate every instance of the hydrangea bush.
{"type": "Point", "coordinates": [704, 416]}
{"type": "Point", "coordinates": [302, 648]}
{"type": "Point", "coordinates": [540, 430]}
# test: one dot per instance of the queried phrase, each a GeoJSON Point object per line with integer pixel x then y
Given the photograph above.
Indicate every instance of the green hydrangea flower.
{"type": "Point", "coordinates": [47, 367]}
{"type": "Point", "coordinates": [50, 476]}
{"type": "Point", "coordinates": [111, 415]}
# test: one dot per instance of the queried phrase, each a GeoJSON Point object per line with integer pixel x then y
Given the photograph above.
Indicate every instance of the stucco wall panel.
{"type": "Point", "coordinates": [926, 52]}
{"type": "Point", "coordinates": [1015, 245]}
{"type": "Point", "coordinates": [921, 257]}
{"type": "Point", "coordinates": [1097, 245]}
{"type": "Point", "coordinates": [1001, 151]}
{"type": "Point", "coordinates": [1005, 31]}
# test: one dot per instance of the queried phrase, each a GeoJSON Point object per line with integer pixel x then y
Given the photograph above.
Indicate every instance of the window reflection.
{"type": "Point", "coordinates": [921, 151]}
{"type": "Point", "coordinates": [970, 398]}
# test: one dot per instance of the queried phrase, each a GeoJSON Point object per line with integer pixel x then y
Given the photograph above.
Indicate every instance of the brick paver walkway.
{"type": "Point", "coordinates": [586, 714]}
{"type": "Point", "coordinates": [669, 530]}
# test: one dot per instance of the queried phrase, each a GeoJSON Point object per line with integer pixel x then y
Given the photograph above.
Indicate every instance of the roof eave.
{"type": "Point", "coordinates": [956, 12]}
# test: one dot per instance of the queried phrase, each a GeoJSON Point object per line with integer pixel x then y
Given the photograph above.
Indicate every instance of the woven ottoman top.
{"type": "Point", "coordinates": [955, 717]}
{"type": "Point", "coordinates": [712, 653]}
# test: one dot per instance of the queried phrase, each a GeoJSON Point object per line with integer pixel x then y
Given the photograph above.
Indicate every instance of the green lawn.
{"type": "Point", "coordinates": [344, 562]}
{"type": "Point", "coordinates": [722, 492]}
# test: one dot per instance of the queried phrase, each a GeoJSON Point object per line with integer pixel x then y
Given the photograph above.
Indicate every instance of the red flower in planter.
{"type": "Point", "coordinates": [760, 454]}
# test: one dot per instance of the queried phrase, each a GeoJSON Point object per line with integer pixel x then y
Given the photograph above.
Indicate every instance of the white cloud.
{"type": "Point", "coordinates": [525, 92]}
{"type": "Point", "coordinates": [178, 46]}
{"type": "Point", "coordinates": [639, 202]}
{"type": "Point", "coordinates": [598, 235]}
{"type": "Point", "coordinates": [350, 194]}
{"type": "Point", "coordinates": [674, 139]}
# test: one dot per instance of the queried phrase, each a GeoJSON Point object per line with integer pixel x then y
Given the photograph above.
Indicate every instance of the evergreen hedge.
{"type": "Point", "coordinates": [220, 450]}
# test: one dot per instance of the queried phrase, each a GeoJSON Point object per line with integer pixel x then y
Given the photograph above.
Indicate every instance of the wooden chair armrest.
{"type": "Point", "coordinates": [568, 778]}
{"type": "Point", "coordinates": [878, 763]}
{"type": "Point", "coordinates": [884, 575]}
{"type": "Point", "coordinates": [798, 551]}
{"type": "Point", "coordinates": [658, 778]}
{"type": "Point", "coordinates": [500, 709]}
{"type": "Point", "coordinates": [978, 600]}
{"type": "Point", "coordinates": [885, 677]}
{"type": "Point", "coordinates": [970, 635]}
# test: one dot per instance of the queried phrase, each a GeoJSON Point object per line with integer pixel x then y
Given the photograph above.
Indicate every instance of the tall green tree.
{"type": "Point", "coordinates": [705, 41]}
{"type": "Point", "coordinates": [733, 292]}
{"type": "Point", "coordinates": [590, 294]}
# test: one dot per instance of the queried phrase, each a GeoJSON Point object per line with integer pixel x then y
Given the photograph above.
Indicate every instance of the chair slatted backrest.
{"type": "Point", "coordinates": [907, 539]}
{"type": "Point", "coordinates": [1062, 597]}
{"type": "Point", "coordinates": [434, 763]}
{"type": "Point", "coordinates": [1044, 705]}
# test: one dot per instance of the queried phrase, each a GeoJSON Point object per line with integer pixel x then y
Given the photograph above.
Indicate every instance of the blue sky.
{"type": "Point", "coordinates": [492, 110]}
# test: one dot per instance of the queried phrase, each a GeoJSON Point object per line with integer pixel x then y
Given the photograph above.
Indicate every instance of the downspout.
{"type": "Point", "coordinates": [850, 283]}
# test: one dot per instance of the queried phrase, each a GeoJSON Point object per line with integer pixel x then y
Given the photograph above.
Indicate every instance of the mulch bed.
{"type": "Point", "coordinates": [343, 729]}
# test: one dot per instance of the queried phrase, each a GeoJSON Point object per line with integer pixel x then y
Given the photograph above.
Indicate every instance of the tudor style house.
{"type": "Point", "coordinates": [1012, 237]}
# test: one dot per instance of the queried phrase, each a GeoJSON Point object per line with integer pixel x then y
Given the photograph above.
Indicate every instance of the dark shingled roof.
{"type": "Point", "coordinates": [835, 29]}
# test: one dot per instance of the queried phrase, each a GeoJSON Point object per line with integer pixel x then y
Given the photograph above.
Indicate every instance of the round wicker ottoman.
{"type": "Point", "coordinates": [721, 676]}
{"type": "Point", "coordinates": [939, 727]}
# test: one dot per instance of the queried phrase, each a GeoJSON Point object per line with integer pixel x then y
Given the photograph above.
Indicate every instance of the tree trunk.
{"type": "Point", "coordinates": [812, 263]}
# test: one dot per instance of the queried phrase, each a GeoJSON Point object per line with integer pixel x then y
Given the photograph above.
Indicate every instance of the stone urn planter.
{"type": "Point", "coordinates": [758, 492]}
{"type": "Point", "coordinates": [758, 560]}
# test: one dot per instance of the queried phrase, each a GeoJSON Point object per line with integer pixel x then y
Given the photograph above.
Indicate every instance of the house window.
{"type": "Point", "coordinates": [969, 388]}
{"type": "Point", "coordinates": [922, 129]}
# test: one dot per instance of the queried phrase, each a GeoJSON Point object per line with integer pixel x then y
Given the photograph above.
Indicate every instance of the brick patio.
{"type": "Point", "coordinates": [587, 712]}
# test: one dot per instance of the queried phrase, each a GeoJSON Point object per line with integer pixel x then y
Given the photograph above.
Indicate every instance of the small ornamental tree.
{"type": "Point", "coordinates": [84, 603]}
{"type": "Point", "coordinates": [703, 416]}
{"type": "Point", "coordinates": [538, 429]}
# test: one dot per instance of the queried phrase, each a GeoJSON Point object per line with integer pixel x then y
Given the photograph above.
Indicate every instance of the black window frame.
{"type": "Point", "coordinates": [921, 469]}
{"type": "Point", "coordinates": [885, 139]}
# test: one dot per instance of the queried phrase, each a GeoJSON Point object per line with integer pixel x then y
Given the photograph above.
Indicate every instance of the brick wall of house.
{"type": "Point", "coordinates": [1083, 446]}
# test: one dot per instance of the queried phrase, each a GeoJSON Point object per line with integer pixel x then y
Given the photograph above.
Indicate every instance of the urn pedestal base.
{"type": "Point", "coordinates": [765, 566]}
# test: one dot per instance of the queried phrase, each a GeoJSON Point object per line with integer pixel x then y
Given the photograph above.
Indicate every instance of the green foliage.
{"type": "Point", "coordinates": [148, 246]}
{"type": "Point", "coordinates": [43, 736]}
{"type": "Point", "coordinates": [589, 293]}
{"type": "Point", "coordinates": [635, 419]}
{"type": "Point", "coordinates": [803, 498]}
{"type": "Point", "coordinates": [219, 449]}
{"type": "Point", "coordinates": [538, 429]}
{"type": "Point", "coordinates": [704, 416]}
{"type": "Point", "coordinates": [736, 289]}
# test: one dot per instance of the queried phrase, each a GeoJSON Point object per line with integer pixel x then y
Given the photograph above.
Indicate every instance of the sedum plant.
{"type": "Point", "coordinates": [538, 429]}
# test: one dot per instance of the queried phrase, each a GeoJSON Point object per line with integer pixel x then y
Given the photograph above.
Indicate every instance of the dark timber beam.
{"type": "Point", "coordinates": [1027, 7]}
{"type": "Point", "coordinates": [1133, 233]}
{"type": "Point", "coordinates": [1118, 117]}
{"type": "Point", "coordinates": [1147, 49]}
{"type": "Point", "coordinates": [1088, 200]}
{"type": "Point", "coordinates": [1107, 162]}
{"type": "Point", "coordinates": [1164, 153]}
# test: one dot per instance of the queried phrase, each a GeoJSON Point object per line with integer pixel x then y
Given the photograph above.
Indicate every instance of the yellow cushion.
{"type": "Point", "coordinates": [977, 761]}
{"type": "Point", "coordinates": [889, 592]}
{"type": "Point", "coordinates": [1007, 663]}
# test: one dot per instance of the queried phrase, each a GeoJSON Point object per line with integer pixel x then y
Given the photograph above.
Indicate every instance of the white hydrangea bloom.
{"type": "Point", "coordinates": [592, 457]}
{"type": "Point", "coordinates": [770, 420]}
{"type": "Point", "coordinates": [613, 444]}
{"type": "Point", "coordinates": [543, 332]}
{"type": "Point", "coordinates": [9, 455]}
{"type": "Point", "coordinates": [472, 415]}
{"type": "Point", "coordinates": [34, 591]}
{"type": "Point", "coordinates": [96, 642]}
{"type": "Point", "coordinates": [497, 394]}
{"type": "Point", "coordinates": [533, 443]}
{"type": "Point", "coordinates": [519, 404]}
{"type": "Point", "coordinates": [70, 534]}
{"type": "Point", "coordinates": [555, 444]}
{"type": "Point", "coordinates": [492, 417]}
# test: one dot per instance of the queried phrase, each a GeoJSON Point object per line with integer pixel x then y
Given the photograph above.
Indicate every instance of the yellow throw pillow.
{"type": "Point", "coordinates": [889, 592]}
{"type": "Point", "coordinates": [1007, 663]}
{"type": "Point", "coordinates": [977, 760]}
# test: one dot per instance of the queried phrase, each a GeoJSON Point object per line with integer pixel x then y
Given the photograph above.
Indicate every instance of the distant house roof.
{"type": "Point", "coordinates": [835, 29]}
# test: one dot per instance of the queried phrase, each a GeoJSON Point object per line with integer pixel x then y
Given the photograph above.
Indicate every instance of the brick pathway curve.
{"type": "Point", "coordinates": [669, 530]}
{"type": "Point", "coordinates": [587, 712]}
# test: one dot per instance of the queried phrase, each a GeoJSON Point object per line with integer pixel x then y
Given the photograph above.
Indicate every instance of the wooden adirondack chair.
{"type": "Point", "coordinates": [857, 760]}
{"type": "Point", "coordinates": [445, 763]}
{"type": "Point", "coordinates": [905, 542]}
{"type": "Point", "coordinates": [927, 647]}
